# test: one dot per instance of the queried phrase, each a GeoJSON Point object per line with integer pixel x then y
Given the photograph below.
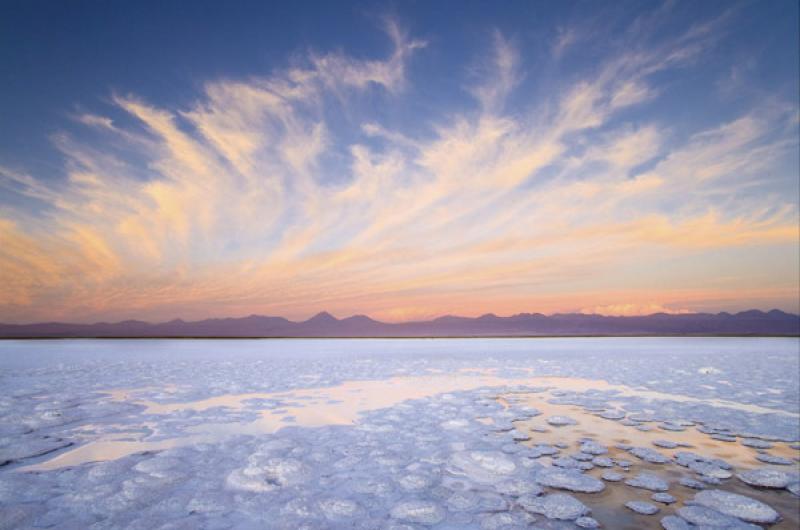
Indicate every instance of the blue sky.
{"type": "Point", "coordinates": [400, 159]}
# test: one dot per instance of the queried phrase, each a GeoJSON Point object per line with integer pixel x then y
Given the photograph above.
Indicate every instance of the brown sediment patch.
{"type": "Point", "coordinates": [608, 506]}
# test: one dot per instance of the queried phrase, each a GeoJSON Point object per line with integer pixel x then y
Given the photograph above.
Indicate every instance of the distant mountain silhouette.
{"type": "Point", "coordinates": [324, 324]}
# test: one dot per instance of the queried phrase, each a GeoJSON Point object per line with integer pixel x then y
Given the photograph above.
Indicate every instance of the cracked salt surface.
{"type": "Point", "coordinates": [399, 434]}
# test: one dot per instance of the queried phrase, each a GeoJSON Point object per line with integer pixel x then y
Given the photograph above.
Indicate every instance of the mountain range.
{"type": "Point", "coordinates": [753, 322]}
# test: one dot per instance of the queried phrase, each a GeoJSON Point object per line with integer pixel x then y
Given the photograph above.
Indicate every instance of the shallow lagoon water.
{"type": "Point", "coordinates": [353, 433]}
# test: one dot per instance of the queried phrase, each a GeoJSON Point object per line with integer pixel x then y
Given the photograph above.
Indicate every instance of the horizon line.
{"type": "Point", "coordinates": [327, 314]}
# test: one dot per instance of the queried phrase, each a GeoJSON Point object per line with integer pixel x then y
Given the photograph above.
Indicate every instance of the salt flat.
{"type": "Point", "coordinates": [369, 433]}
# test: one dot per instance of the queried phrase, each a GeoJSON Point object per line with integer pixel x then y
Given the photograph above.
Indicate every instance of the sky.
{"type": "Point", "coordinates": [403, 160]}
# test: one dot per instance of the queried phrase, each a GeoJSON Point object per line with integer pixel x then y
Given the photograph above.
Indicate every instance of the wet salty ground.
{"type": "Point", "coordinates": [538, 433]}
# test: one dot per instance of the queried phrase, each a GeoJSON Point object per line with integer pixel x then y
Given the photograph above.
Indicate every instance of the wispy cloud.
{"type": "Point", "coordinates": [254, 199]}
{"type": "Point", "coordinates": [565, 38]}
{"type": "Point", "coordinates": [628, 310]}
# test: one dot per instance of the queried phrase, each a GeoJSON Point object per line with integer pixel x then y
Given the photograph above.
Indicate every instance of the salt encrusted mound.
{"type": "Point", "coordinates": [612, 414]}
{"type": "Point", "coordinates": [336, 509]}
{"type": "Point", "coordinates": [555, 506]}
{"type": "Point", "coordinates": [774, 459]}
{"type": "Point", "coordinates": [602, 461]}
{"type": "Point", "coordinates": [664, 498]}
{"type": "Point", "coordinates": [690, 482]}
{"type": "Point", "coordinates": [648, 481]}
{"type": "Point", "coordinates": [756, 443]}
{"type": "Point", "coordinates": [644, 508]}
{"type": "Point", "coordinates": [673, 522]}
{"type": "Point", "coordinates": [612, 476]}
{"type": "Point", "coordinates": [704, 517]}
{"type": "Point", "coordinates": [665, 444]}
{"type": "Point", "coordinates": [648, 455]}
{"type": "Point", "coordinates": [568, 479]}
{"type": "Point", "coordinates": [418, 511]}
{"type": "Point", "coordinates": [516, 487]}
{"type": "Point", "coordinates": [482, 466]}
{"type": "Point", "coordinates": [736, 505]}
{"type": "Point", "coordinates": [561, 421]}
{"type": "Point", "coordinates": [543, 450]}
{"type": "Point", "coordinates": [586, 522]}
{"type": "Point", "coordinates": [29, 447]}
{"type": "Point", "coordinates": [766, 477]}
{"type": "Point", "coordinates": [711, 469]}
{"type": "Point", "coordinates": [593, 448]}
{"type": "Point", "coordinates": [272, 474]}
{"type": "Point", "coordinates": [502, 520]}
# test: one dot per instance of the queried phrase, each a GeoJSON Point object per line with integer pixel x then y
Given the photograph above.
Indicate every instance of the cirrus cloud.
{"type": "Point", "coordinates": [260, 197]}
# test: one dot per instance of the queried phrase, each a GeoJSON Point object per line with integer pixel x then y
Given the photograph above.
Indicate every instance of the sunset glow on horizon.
{"type": "Point", "coordinates": [403, 166]}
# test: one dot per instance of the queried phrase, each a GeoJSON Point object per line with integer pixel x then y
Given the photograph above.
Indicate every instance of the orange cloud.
{"type": "Point", "coordinates": [628, 310]}
{"type": "Point", "coordinates": [228, 208]}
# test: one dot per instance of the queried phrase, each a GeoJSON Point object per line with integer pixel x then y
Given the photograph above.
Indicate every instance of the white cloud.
{"type": "Point", "coordinates": [565, 38]}
{"type": "Point", "coordinates": [233, 209]}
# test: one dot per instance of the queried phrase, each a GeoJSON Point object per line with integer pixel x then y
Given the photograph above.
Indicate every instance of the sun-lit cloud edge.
{"type": "Point", "coordinates": [498, 210]}
{"type": "Point", "coordinates": [630, 310]}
